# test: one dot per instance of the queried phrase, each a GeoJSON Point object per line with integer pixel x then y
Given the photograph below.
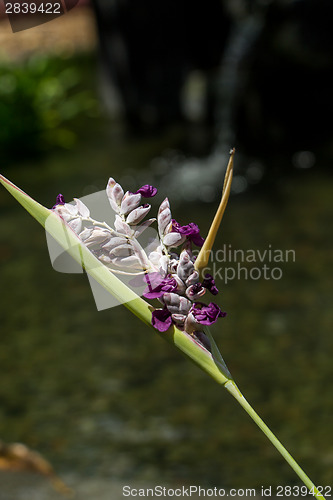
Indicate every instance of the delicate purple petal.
{"type": "Point", "coordinates": [209, 283]}
{"type": "Point", "coordinates": [60, 200]}
{"type": "Point", "coordinates": [207, 315]}
{"type": "Point", "coordinates": [161, 319]}
{"type": "Point", "coordinates": [157, 285]}
{"type": "Point", "coordinates": [196, 288]}
{"type": "Point", "coordinates": [153, 280]}
{"type": "Point", "coordinates": [191, 231]}
{"type": "Point", "coordinates": [147, 191]}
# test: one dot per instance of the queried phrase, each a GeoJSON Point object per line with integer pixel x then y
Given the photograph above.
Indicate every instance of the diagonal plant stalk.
{"type": "Point", "coordinates": [212, 363]}
{"type": "Point", "coordinates": [235, 392]}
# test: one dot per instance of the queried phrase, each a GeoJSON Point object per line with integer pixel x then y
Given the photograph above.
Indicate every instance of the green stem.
{"type": "Point", "coordinates": [235, 392]}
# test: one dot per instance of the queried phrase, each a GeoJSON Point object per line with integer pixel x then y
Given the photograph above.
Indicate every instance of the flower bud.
{"type": "Point", "coordinates": [163, 216]}
{"type": "Point", "coordinates": [129, 202]}
{"type": "Point", "coordinates": [191, 325]}
{"type": "Point", "coordinates": [184, 305]}
{"type": "Point", "coordinates": [115, 194]}
{"type": "Point", "coordinates": [125, 250]}
{"type": "Point", "coordinates": [173, 240]}
{"type": "Point", "coordinates": [193, 278]}
{"type": "Point", "coordinates": [169, 228]}
{"type": "Point", "coordinates": [86, 233]}
{"type": "Point", "coordinates": [185, 266]}
{"type": "Point", "coordinates": [194, 292]}
{"type": "Point", "coordinates": [163, 265]}
{"type": "Point", "coordinates": [131, 262]}
{"type": "Point", "coordinates": [137, 214]}
{"type": "Point", "coordinates": [114, 242]}
{"type": "Point", "coordinates": [155, 257]}
{"type": "Point", "coordinates": [97, 237]}
{"type": "Point", "coordinates": [179, 319]}
{"type": "Point", "coordinates": [176, 304]}
{"type": "Point", "coordinates": [122, 227]}
{"type": "Point", "coordinates": [83, 210]}
{"type": "Point", "coordinates": [173, 264]}
{"type": "Point", "coordinates": [180, 284]}
{"type": "Point", "coordinates": [66, 211]}
{"type": "Point", "coordinates": [105, 259]}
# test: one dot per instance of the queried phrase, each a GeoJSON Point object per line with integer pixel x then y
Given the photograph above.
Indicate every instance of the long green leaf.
{"type": "Point", "coordinates": [64, 235]}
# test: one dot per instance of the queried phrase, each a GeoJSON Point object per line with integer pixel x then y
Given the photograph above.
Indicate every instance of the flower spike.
{"type": "Point", "coordinates": [203, 257]}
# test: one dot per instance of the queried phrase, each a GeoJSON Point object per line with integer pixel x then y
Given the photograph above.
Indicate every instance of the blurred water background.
{"type": "Point", "coordinates": [98, 393]}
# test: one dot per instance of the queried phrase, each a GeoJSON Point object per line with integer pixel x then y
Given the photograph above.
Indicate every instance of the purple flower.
{"type": "Point", "coordinates": [60, 200]}
{"type": "Point", "coordinates": [147, 191]}
{"type": "Point", "coordinates": [195, 291]}
{"type": "Point", "coordinates": [206, 315]}
{"type": "Point", "coordinates": [157, 285]}
{"type": "Point", "coordinates": [196, 288]}
{"type": "Point", "coordinates": [209, 283]}
{"type": "Point", "coordinates": [191, 231]}
{"type": "Point", "coordinates": [161, 319]}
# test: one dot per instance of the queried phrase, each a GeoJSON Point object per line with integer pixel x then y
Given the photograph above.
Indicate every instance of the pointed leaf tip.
{"type": "Point", "coordinates": [204, 254]}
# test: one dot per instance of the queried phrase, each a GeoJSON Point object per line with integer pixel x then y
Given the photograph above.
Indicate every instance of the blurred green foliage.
{"type": "Point", "coordinates": [41, 102]}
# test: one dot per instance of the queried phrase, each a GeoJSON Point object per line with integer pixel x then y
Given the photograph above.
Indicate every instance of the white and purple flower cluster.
{"type": "Point", "coordinates": [170, 277]}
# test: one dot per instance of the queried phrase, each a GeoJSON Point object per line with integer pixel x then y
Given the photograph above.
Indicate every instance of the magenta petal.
{"type": "Point", "coordinates": [157, 285]}
{"type": "Point", "coordinates": [60, 200]}
{"type": "Point", "coordinates": [207, 315]}
{"type": "Point", "coordinates": [161, 319]}
{"type": "Point", "coordinates": [153, 279]}
{"type": "Point", "coordinates": [209, 283]}
{"type": "Point", "coordinates": [197, 240]}
{"type": "Point", "coordinates": [147, 191]}
{"type": "Point", "coordinates": [191, 231]}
